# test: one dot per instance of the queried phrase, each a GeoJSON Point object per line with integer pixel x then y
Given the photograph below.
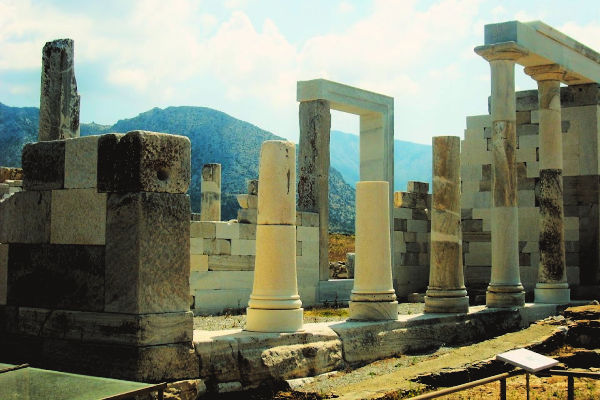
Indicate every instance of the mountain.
{"type": "Point", "coordinates": [215, 137]}
{"type": "Point", "coordinates": [412, 161]}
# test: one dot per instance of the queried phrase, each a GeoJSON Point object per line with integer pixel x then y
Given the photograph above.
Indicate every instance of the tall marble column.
{"type": "Point", "coordinates": [210, 192]}
{"type": "Point", "coordinates": [274, 304]}
{"type": "Point", "coordinates": [505, 288]}
{"type": "Point", "coordinates": [373, 296]}
{"type": "Point", "coordinates": [446, 292]}
{"type": "Point", "coordinates": [59, 100]}
{"type": "Point", "coordinates": [552, 286]}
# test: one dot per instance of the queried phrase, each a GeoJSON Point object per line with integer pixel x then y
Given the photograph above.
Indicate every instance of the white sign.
{"type": "Point", "coordinates": [528, 360]}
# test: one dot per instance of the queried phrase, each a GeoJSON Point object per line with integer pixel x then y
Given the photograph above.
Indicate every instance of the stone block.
{"type": "Point", "coordinates": [247, 216]}
{"type": "Point", "coordinates": [10, 173]}
{"type": "Point", "coordinates": [402, 213]}
{"type": "Point", "coordinates": [482, 200]}
{"type": "Point", "coordinates": [478, 121]}
{"type": "Point", "coordinates": [44, 165]}
{"type": "Point", "coordinates": [203, 229]}
{"type": "Point", "coordinates": [81, 162]}
{"type": "Point", "coordinates": [417, 187]}
{"type": "Point", "coordinates": [221, 280]}
{"type": "Point", "coordinates": [472, 225]}
{"type": "Point", "coordinates": [143, 161]}
{"type": "Point", "coordinates": [310, 219]}
{"type": "Point", "coordinates": [335, 290]}
{"type": "Point", "coordinates": [78, 216]}
{"type": "Point", "coordinates": [227, 230]}
{"type": "Point", "coordinates": [400, 224]}
{"type": "Point", "coordinates": [217, 247]}
{"type": "Point", "coordinates": [3, 273]}
{"type": "Point", "coordinates": [417, 226]}
{"type": "Point", "coordinates": [147, 253]}
{"type": "Point", "coordinates": [420, 214]}
{"type": "Point", "coordinates": [307, 234]}
{"type": "Point", "coordinates": [198, 262]}
{"type": "Point", "coordinates": [25, 217]}
{"type": "Point", "coordinates": [410, 200]}
{"type": "Point", "coordinates": [242, 247]}
{"type": "Point", "coordinates": [247, 231]}
{"type": "Point", "coordinates": [196, 245]}
{"type": "Point", "coordinates": [231, 263]}
{"type": "Point", "coordinates": [409, 279]}
{"type": "Point", "coordinates": [211, 301]}
{"type": "Point", "coordinates": [4, 189]}
{"type": "Point", "coordinates": [68, 277]}
{"type": "Point", "coordinates": [526, 198]}
{"type": "Point", "coordinates": [298, 249]}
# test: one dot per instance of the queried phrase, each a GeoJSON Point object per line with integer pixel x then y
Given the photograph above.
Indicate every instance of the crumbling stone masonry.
{"type": "Point", "coordinates": [95, 258]}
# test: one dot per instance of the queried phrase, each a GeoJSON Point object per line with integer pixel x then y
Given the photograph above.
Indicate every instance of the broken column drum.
{"type": "Point", "coordinates": [373, 296]}
{"type": "Point", "coordinates": [505, 288]}
{"type": "Point", "coordinates": [552, 286]}
{"type": "Point", "coordinates": [59, 100]}
{"type": "Point", "coordinates": [446, 292]}
{"type": "Point", "coordinates": [211, 193]}
{"type": "Point", "coordinates": [274, 304]}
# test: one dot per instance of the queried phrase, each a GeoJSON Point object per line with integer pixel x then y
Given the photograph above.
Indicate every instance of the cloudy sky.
{"type": "Point", "coordinates": [243, 57]}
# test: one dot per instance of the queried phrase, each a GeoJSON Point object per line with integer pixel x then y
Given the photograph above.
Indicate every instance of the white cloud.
{"type": "Point", "coordinates": [345, 7]}
{"type": "Point", "coordinates": [588, 35]}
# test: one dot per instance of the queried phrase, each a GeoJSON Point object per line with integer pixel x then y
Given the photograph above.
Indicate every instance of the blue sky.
{"type": "Point", "coordinates": [243, 57]}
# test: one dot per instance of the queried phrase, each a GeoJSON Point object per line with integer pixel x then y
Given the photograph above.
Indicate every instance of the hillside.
{"type": "Point", "coordinates": [215, 137]}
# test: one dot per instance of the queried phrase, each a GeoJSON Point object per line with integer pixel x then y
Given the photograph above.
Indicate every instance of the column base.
{"type": "Point", "coordinates": [546, 293]}
{"type": "Point", "coordinates": [505, 297]}
{"type": "Point", "coordinates": [259, 320]}
{"type": "Point", "coordinates": [434, 304]}
{"type": "Point", "coordinates": [373, 310]}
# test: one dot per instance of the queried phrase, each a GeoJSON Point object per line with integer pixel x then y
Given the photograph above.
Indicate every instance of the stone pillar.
{"type": "Point", "coordinates": [210, 191]}
{"type": "Point", "coordinates": [59, 100]}
{"type": "Point", "coordinates": [274, 304]}
{"type": "Point", "coordinates": [313, 182]}
{"type": "Point", "coordinates": [552, 286]}
{"type": "Point", "coordinates": [373, 296]}
{"type": "Point", "coordinates": [505, 288]}
{"type": "Point", "coordinates": [446, 292]}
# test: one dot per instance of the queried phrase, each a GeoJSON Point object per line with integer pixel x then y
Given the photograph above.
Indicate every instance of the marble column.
{"type": "Point", "coordinates": [552, 286]}
{"type": "Point", "coordinates": [446, 292]}
{"type": "Point", "coordinates": [59, 100]}
{"type": "Point", "coordinates": [210, 192]}
{"type": "Point", "coordinates": [373, 296]}
{"type": "Point", "coordinates": [313, 170]}
{"type": "Point", "coordinates": [505, 288]}
{"type": "Point", "coordinates": [274, 304]}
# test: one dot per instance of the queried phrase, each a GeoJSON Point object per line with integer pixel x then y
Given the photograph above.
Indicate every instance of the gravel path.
{"type": "Point", "coordinates": [220, 322]}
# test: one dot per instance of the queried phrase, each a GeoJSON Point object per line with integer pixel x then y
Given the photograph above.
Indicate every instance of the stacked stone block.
{"type": "Point", "coordinates": [411, 231]}
{"type": "Point", "coordinates": [580, 130]}
{"type": "Point", "coordinates": [94, 260]}
{"type": "Point", "coordinates": [11, 181]}
{"type": "Point", "coordinates": [222, 256]}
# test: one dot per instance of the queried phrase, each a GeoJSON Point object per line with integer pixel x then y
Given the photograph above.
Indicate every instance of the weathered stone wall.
{"type": "Point", "coordinates": [94, 258]}
{"type": "Point", "coordinates": [11, 181]}
{"type": "Point", "coordinates": [580, 129]}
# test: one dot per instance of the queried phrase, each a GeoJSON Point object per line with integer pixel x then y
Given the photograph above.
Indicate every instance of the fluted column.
{"type": "Point", "coordinates": [373, 296]}
{"type": "Point", "coordinates": [210, 192]}
{"type": "Point", "coordinates": [552, 286]}
{"type": "Point", "coordinates": [274, 304]}
{"type": "Point", "coordinates": [505, 288]}
{"type": "Point", "coordinates": [446, 292]}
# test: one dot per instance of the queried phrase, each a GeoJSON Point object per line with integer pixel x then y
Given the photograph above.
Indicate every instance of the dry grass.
{"type": "Point", "coordinates": [339, 245]}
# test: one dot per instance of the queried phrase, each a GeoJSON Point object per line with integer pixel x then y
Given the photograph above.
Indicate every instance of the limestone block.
{"type": "Point", "coordinates": [402, 212]}
{"type": "Point", "coordinates": [308, 293]}
{"type": "Point", "coordinates": [310, 219]}
{"type": "Point", "coordinates": [247, 200]}
{"type": "Point", "coordinates": [533, 169]}
{"type": "Point", "coordinates": [43, 165]}
{"type": "Point", "coordinates": [298, 250]}
{"type": "Point", "coordinates": [69, 277]}
{"type": "Point", "coordinates": [78, 216]}
{"type": "Point", "coordinates": [482, 200]}
{"type": "Point", "coordinates": [227, 230]}
{"type": "Point", "coordinates": [59, 100]}
{"type": "Point", "coordinates": [3, 273]}
{"type": "Point", "coordinates": [211, 192]}
{"type": "Point", "coordinates": [203, 229]}
{"type": "Point", "coordinates": [147, 253]}
{"type": "Point", "coordinates": [529, 229]}
{"type": "Point", "coordinates": [423, 237]}
{"type": "Point", "coordinates": [410, 200]}
{"type": "Point", "coordinates": [478, 121]}
{"type": "Point", "coordinates": [143, 161]}
{"type": "Point", "coordinates": [310, 255]}
{"type": "Point", "coordinates": [247, 232]}
{"type": "Point", "coordinates": [10, 173]}
{"type": "Point", "coordinates": [221, 280]}
{"type": "Point", "coordinates": [571, 223]}
{"type": "Point", "coordinates": [230, 263]}
{"type": "Point", "coordinates": [247, 216]}
{"type": "Point", "coordinates": [526, 198]}
{"type": "Point", "coordinates": [307, 234]}
{"type": "Point", "coordinates": [277, 175]}
{"type": "Point", "coordinates": [81, 162]}
{"type": "Point", "coordinates": [470, 173]}
{"type": "Point", "coordinates": [196, 245]}
{"type": "Point", "coordinates": [243, 247]}
{"type": "Point", "coordinates": [572, 234]}
{"type": "Point", "coordinates": [417, 187]}
{"type": "Point", "coordinates": [480, 254]}
{"type": "Point", "coordinates": [253, 187]}
{"type": "Point", "coordinates": [217, 247]}
{"type": "Point", "coordinates": [211, 301]}
{"type": "Point", "coordinates": [417, 226]}
{"type": "Point", "coordinates": [25, 217]}
{"type": "Point", "coordinates": [198, 262]}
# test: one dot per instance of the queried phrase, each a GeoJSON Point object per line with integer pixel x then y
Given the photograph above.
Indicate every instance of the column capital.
{"type": "Point", "coordinates": [547, 72]}
{"type": "Point", "coordinates": [501, 51]}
